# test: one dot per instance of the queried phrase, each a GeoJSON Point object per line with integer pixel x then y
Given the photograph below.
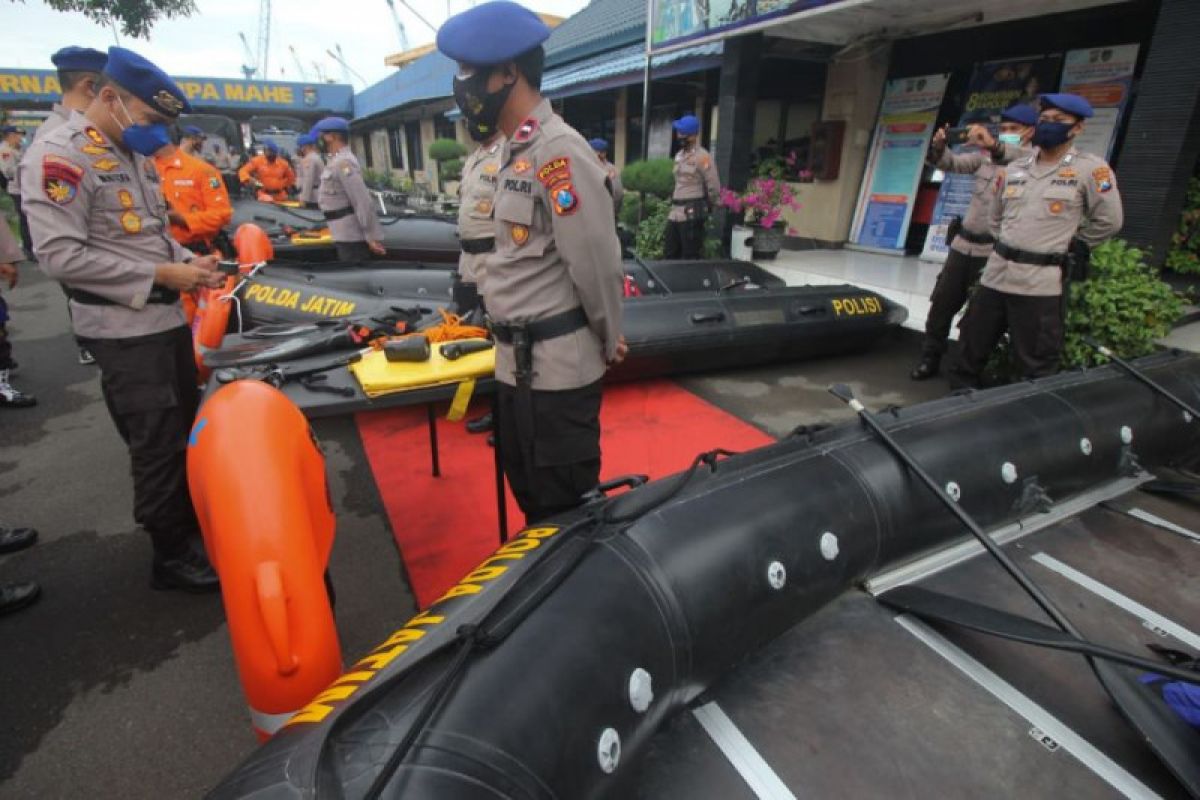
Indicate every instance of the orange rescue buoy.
{"type": "Point", "coordinates": [252, 244]}
{"type": "Point", "coordinates": [258, 483]}
{"type": "Point", "coordinates": [210, 322]}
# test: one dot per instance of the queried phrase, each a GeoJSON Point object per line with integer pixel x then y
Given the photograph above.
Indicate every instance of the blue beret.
{"type": "Point", "coordinates": [7, 129]}
{"type": "Point", "coordinates": [270, 146]}
{"type": "Point", "coordinates": [599, 145]}
{"type": "Point", "coordinates": [1073, 104]}
{"type": "Point", "coordinates": [491, 33]}
{"type": "Point", "coordinates": [331, 124]}
{"type": "Point", "coordinates": [1021, 114]}
{"type": "Point", "coordinates": [79, 59]}
{"type": "Point", "coordinates": [688, 125]}
{"type": "Point", "coordinates": [146, 82]}
{"type": "Point", "coordinates": [192, 130]}
{"type": "Point", "coordinates": [305, 140]}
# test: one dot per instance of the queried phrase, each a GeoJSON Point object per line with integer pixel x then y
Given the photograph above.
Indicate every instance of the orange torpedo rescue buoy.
{"type": "Point", "coordinates": [258, 483]}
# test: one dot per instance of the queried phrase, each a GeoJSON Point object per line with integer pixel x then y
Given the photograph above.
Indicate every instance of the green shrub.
{"type": "Point", "coordinates": [655, 177]}
{"type": "Point", "coordinates": [651, 232]}
{"type": "Point", "coordinates": [1184, 255]}
{"type": "Point", "coordinates": [446, 149]}
{"type": "Point", "coordinates": [451, 170]}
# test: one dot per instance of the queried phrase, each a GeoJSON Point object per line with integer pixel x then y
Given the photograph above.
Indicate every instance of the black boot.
{"type": "Point", "coordinates": [926, 368]}
{"type": "Point", "coordinates": [14, 539]}
{"type": "Point", "coordinates": [15, 596]}
{"type": "Point", "coordinates": [480, 424]}
{"type": "Point", "coordinates": [188, 572]}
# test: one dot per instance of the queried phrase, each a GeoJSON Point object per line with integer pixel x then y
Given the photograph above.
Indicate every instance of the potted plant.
{"type": "Point", "coordinates": [761, 208]}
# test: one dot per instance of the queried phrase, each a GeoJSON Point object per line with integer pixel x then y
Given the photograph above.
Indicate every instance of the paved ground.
{"type": "Point", "coordinates": [108, 689]}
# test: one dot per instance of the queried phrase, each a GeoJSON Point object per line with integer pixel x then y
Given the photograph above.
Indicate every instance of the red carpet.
{"type": "Point", "coordinates": [445, 526]}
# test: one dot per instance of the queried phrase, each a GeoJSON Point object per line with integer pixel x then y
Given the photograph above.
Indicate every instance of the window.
{"type": "Point", "coordinates": [396, 147]}
{"type": "Point", "coordinates": [443, 128]}
{"type": "Point", "coordinates": [412, 132]}
{"type": "Point", "coordinates": [366, 149]}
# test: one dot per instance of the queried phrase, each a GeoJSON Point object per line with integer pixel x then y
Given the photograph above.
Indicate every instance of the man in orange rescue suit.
{"type": "Point", "coordinates": [696, 188]}
{"type": "Point", "coordinates": [100, 227]}
{"type": "Point", "coordinates": [198, 203]}
{"type": "Point", "coordinates": [308, 174]}
{"type": "Point", "coordinates": [344, 198]}
{"type": "Point", "coordinates": [268, 172]}
{"type": "Point", "coordinates": [553, 286]}
{"type": "Point", "coordinates": [1050, 209]}
{"type": "Point", "coordinates": [970, 238]}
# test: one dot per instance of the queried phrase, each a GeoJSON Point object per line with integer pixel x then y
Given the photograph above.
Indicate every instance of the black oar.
{"type": "Point", "coordinates": [1172, 740]}
{"type": "Point", "coordinates": [1141, 376]}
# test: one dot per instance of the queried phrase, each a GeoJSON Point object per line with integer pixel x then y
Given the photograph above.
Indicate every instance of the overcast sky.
{"type": "Point", "coordinates": [207, 44]}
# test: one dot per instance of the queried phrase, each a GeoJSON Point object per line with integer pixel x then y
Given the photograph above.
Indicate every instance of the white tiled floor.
{"type": "Point", "coordinates": [907, 281]}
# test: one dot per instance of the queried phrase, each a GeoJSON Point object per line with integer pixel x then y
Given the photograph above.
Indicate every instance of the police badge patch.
{"type": "Point", "coordinates": [60, 179]}
{"type": "Point", "coordinates": [1102, 177]}
{"type": "Point", "coordinates": [565, 200]}
{"type": "Point", "coordinates": [214, 183]}
{"type": "Point", "coordinates": [520, 234]}
{"type": "Point", "coordinates": [131, 222]}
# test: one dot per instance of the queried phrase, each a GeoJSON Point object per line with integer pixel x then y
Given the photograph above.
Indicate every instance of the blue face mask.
{"type": "Point", "coordinates": [144, 139]}
{"type": "Point", "coordinates": [1051, 134]}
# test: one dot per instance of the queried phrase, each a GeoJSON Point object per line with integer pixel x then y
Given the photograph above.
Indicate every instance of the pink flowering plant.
{"type": "Point", "coordinates": [763, 202]}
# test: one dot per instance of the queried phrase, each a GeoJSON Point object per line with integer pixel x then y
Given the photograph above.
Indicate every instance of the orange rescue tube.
{"type": "Point", "coordinates": [258, 483]}
{"type": "Point", "coordinates": [210, 322]}
{"type": "Point", "coordinates": [252, 244]}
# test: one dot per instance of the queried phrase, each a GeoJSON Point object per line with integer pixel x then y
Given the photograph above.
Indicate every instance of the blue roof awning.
{"type": "Point", "coordinates": [428, 78]}
{"type": "Point", "coordinates": [624, 66]}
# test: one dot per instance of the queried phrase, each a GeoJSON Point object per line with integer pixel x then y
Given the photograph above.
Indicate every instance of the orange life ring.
{"type": "Point", "coordinates": [258, 483]}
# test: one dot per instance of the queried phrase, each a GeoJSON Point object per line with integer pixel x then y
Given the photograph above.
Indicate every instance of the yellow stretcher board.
{"type": "Point", "coordinates": [316, 237]}
{"type": "Point", "coordinates": [379, 377]}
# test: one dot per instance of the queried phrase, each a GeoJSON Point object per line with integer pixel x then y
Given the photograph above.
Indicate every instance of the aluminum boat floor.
{"type": "Point", "coordinates": [860, 702]}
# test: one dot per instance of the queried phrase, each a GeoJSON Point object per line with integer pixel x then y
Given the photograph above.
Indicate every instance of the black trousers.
{"type": "Point", "coordinates": [560, 460]}
{"type": "Point", "coordinates": [26, 237]}
{"type": "Point", "coordinates": [684, 239]}
{"type": "Point", "coordinates": [1034, 325]}
{"type": "Point", "coordinates": [149, 387]}
{"type": "Point", "coordinates": [949, 295]}
{"type": "Point", "coordinates": [352, 252]}
{"type": "Point", "coordinates": [5, 344]}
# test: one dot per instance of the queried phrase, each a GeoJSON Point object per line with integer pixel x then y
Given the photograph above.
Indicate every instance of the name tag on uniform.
{"type": "Point", "coordinates": [185, 182]}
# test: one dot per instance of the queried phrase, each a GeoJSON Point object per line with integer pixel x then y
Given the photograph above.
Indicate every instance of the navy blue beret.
{"type": "Point", "coordinates": [7, 129]}
{"type": "Point", "coordinates": [491, 33]}
{"type": "Point", "coordinates": [688, 125]}
{"type": "Point", "coordinates": [599, 145]}
{"type": "Point", "coordinates": [1073, 104]}
{"type": "Point", "coordinates": [79, 59]}
{"type": "Point", "coordinates": [192, 130]}
{"type": "Point", "coordinates": [269, 146]}
{"type": "Point", "coordinates": [305, 140]}
{"type": "Point", "coordinates": [1021, 114]}
{"type": "Point", "coordinates": [330, 125]}
{"type": "Point", "coordinates": [146, 82]}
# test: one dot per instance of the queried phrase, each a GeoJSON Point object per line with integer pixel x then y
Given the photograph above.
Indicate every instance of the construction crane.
{"type": "Point", "coordinates": [264, 37]}
{"type": "Point", "coordinates": [248, 69]}
{"type": "Point", "coordinates": [399, 26]}
{"type": "Point", "coordinates": [299, 65]}
{"type": "Point", "coordinates": [347, 71]}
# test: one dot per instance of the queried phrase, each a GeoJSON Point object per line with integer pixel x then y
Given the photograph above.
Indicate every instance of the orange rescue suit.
{"type": "Point", "coordinates": [276, 177]}
{"type": "Point", "coordinates": [194, 190]}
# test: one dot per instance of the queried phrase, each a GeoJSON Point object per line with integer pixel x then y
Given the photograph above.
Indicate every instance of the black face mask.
{"type": "Point", "coordinates": [480, 107]}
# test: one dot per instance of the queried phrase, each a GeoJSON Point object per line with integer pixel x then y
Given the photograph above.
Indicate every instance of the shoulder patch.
{"type": "Point", "coordinates": [565, 200]}
{"type": "Point", "coordinates": [554, 171]}
{"type": "Point", "coordinates": [214, 183]}
{"type": "Point", "coordinates": [60, 179]}
{"type": "Point", "coordinates": [1102, 178]}
{"type": "Point", "coordinates": [705, 162]}
{"type": "Point", "coordinates": [526, 131]}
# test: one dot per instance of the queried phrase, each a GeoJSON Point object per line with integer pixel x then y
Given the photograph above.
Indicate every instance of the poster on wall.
{"type": "Point", "coordinates": [906, 119]}
{"type": "Point", "coordinates": [676, 20]}
{"type": "Point", "coordinates": [1103, 75]}
{"type": "Point", "coordinates": [994, 86]}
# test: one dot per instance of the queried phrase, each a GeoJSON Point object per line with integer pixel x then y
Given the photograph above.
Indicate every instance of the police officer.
{"type": "Point", "coordinates": [696, 188]}
{"type": "Point", "coordinates": [78, 70]}
{"type": "Point", "coordinates": [610, 169]}
{"type": "Point", "coordinates": [308, 173]}
{"type": "Point", "coordinates": [476, 193]}
{"type": "Point", "coordinates": [10, 160]}
{"type": "Point", "coordinates": [10, 254]}
{"type": "Point", "coordinates": [553, 286]}
{"type": "Point", "coordinates": [198, 205]}
{"type": "Point", "coordinates": [344, 197]}
{"type": "Point", "coordinates": [268, 172]}
{"type": "Point", "coordinates": [100, 226]}
{"type": "Point", "coordinates": [1054, 203]}
{"type": "Point", "coordinates": [970, 238]}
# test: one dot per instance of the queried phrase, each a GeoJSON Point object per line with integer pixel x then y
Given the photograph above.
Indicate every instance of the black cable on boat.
{"type": "Point", "coordinates": [1141, 376]}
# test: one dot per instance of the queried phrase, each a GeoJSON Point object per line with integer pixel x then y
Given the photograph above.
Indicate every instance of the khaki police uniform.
{"type": "Point", "coordinates": [348, 207]}
{"type": "Point", "coordinates": [10, 253]}
{"type": "Point", "coordinates": [308, 178]}
{"type": "Point", "coordinates": [970, 245]}
{"type": "Point", "coordinates": [1037, 210]}
{"type": "Point", "coordinates": [99, 224]}
{"type": "Point", "coordinates": [696, 188]}
{"type": "Point", "coordinates": [553, 290]}
{"type": "Point", "coordinates": [10, 168]}
{"type": "Point", "coordinates": [476, 234]}
{"type": "Point", "coordinates": [614, 185]}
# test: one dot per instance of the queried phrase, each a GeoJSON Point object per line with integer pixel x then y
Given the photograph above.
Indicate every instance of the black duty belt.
{"type": "Point", "coordinates": [476, 246]}
{"type": "Point", "coordinates": [337, 213]}
{"type": "Point", "coordinates": [539, 330]}
{"type": "Point", "coordinates": [975, 238]}
{"type": "Point", "coordinates": [158, 296]}
{"type": "Point", "coordinates": [1029, 257]}
{"type": "Point", "coordinates": [689, 202]}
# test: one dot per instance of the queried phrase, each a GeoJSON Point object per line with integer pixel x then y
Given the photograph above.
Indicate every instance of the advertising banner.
{"type": "Point", "coordinates": [994, 86]}
{"type": "Point", "coordinates": [679, 20]}
{"type": "Point", "coordinates": [906, 119]}
{"type": "Point", "coordinates": [1103, 75]}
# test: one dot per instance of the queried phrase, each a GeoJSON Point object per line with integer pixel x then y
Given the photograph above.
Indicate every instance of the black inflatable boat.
{"type": "Point", "coordinates": [681, 316]}
{"type": "Point", "coordinates": [547, 671]}
{"type": "Point", "coordinates": [301, 234]}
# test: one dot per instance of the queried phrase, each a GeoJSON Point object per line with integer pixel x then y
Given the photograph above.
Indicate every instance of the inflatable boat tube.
{"type": "Point", "coordinates": [555, 661]}
{"type": "Point", "coordinates": [271, 564]}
